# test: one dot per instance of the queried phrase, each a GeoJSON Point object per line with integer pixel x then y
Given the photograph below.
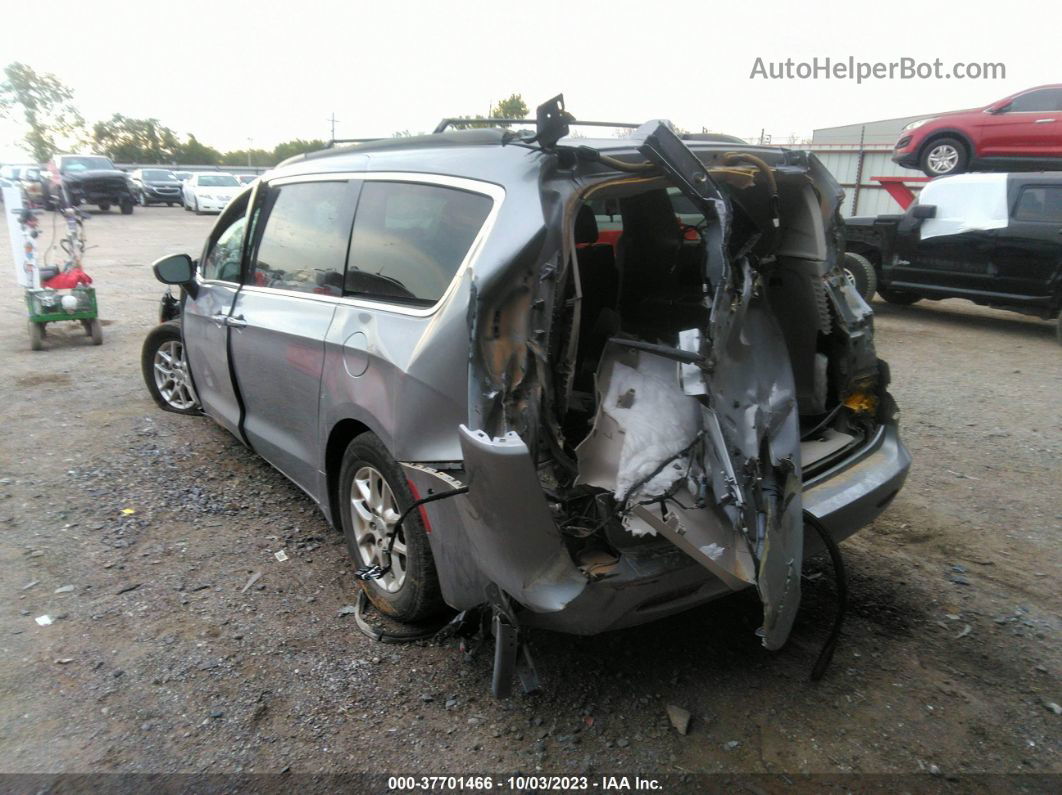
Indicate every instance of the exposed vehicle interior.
{"type": "Point", "coordinates": [640, 249]}
{"type": "Point", "coordinates": [640, 253]}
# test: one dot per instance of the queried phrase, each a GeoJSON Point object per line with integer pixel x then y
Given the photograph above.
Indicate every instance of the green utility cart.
{"type": "Point", "coordinates": [53, 306]}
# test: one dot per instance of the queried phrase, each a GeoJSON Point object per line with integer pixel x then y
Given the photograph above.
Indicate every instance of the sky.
{"type": "Point", "coordinates": [273, 71]}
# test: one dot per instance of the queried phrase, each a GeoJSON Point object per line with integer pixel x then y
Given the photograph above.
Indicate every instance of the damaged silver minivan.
{"type": "Point", "coordinates": [582, 383]}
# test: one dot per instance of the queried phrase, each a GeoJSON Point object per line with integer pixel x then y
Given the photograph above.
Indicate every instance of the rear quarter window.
{"type": "Point", "coordinates": [409, 240]}
{"type": "Point", "coordinates": [1039, 203]}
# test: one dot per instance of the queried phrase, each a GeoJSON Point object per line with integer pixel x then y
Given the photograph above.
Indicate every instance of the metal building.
{"type": "Point", "coordinates": [857, 153]}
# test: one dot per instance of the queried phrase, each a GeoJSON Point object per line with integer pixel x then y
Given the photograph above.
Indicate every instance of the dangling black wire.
{"type": "Point", "coordinates": [841, 580]}
{"type": "Point", "coordinates": [371, 572]}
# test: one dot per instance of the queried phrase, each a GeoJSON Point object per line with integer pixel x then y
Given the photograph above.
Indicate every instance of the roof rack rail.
{"type": "Point", "coordinates": [456, 120]}
{"type": "Point", "coordinates": [331, 144]}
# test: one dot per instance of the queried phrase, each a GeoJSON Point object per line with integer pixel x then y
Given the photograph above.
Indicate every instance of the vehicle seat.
{"type": "Point", "coordinates": [600, 284]}
{"type": "Point", "coordinates": [646, 256]}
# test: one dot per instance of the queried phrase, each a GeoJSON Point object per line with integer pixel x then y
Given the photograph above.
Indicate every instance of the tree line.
{"type": "Point", "coordinates": [53, 123]}
{"type": "Point", "coordinates": [45, 107]}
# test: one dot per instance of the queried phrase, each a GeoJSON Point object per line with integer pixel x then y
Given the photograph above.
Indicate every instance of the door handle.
{"type": "Point", "coordinates": [219, 319]}
{"type": "Point", "coordinates": [236, 322]}
{"type": "Point", "coordinates": [1044, 121]}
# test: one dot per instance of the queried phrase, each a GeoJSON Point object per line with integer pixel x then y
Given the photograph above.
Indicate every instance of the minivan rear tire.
{"type": "Point", "coordinates": [418, 595]}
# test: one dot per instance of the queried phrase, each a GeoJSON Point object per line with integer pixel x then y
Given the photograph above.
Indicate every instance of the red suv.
{"type": "Point", "coordinates": [1022, 131]}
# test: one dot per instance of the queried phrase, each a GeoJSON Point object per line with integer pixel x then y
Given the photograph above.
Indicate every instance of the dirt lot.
{"type": "Point", "coordinates": [136, 531]}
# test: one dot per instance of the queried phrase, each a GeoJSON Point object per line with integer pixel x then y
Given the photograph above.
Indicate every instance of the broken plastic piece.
{"type": "Point", "coordinates": [373, 572]}
{"type": "Point", "coordinates": [506, 645]}
{"type": "Point", "coordinates": [280, 555]}
{"type": "Point", "coordinates": [679, 717]}
{"type": "Point", "coordinates": [251, 581]}
{"type": "Point", "coordinates": [43, 620]}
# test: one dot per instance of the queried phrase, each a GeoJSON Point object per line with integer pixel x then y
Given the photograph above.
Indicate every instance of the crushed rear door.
{"type": "Point", "coordinates": [712, 459]}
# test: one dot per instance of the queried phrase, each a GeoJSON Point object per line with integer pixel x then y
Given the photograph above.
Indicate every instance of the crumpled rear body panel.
{"type": "Point", "coordinates": [510, 527]}
{"type": "Point", "coordinates": [719, 472]}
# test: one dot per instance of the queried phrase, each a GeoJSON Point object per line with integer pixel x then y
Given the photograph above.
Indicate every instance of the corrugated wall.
{"type": "Point", "coordinates": [855, 154]}
{"type": "Point", "coordinates": [863, 196]}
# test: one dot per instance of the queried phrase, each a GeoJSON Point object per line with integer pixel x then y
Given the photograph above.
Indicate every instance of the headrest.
{"type": "Point", "coordinates": [649, 218]}
{"type": "Point", "coordinates": [585, 225]}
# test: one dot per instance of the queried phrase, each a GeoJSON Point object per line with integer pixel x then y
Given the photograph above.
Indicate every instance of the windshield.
{"type": "Point", "coordinates": [87, 164]}
{"type": "Point", "coordinates": [159, 175]}
{"type": "Point", "coordinates": [218, 181]}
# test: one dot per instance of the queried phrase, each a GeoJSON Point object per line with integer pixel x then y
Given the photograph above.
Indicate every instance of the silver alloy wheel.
{"type": "Point", "coordinates": [171, 376]}
{"type": "Point", "coordinates": [942, 159]}
{"type": "Point", "coordinates": [373, 513]}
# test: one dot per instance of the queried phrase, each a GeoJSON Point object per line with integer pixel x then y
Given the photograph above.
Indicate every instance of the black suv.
{"type": "Point", "coordinates": [994, 239]}
{"type": "Point", "coordinates": [91, 179]}
{"type": "Point", "coordinates": [156, 186]}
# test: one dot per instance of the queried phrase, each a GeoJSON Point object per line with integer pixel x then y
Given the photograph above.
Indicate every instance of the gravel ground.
{"type": "Point", "coordinates": [137, 531]}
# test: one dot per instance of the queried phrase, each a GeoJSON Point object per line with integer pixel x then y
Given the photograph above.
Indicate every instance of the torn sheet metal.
{"type": "Point", "coordinates": [754, 452]}
{"type": "Point", "coordinates": [752, 433]}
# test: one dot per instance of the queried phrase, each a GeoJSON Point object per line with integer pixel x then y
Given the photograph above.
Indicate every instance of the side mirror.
{"type": "Point", "coordinates": [924, 211]}
{"type": "Point", "coordinates": [176, 269]}
{"type": "Point", "coordinates": [1000, 108]}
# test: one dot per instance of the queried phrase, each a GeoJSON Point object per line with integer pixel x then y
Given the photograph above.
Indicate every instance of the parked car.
{"type": "Point", "coordinates": [28, 178]}
{"type": "Point", "coordinates": [246, 179]}
{"type": "Point", "coordinates": [156, 186]}
{"type": "Point", "coordinates": [990, 238]}
{"type": "Point", "coordinates": [1022, 131]}
{"type": "Point", "coordinates": [209, 191]}
{"type": "Point", "coordinates": [500, 406]}
{"type": "Point", "coordinates": [31, 178]}
{"type": "Point", "coordinates": [11, 173]}
{"type": "Point", "coordinates": [92, 179]}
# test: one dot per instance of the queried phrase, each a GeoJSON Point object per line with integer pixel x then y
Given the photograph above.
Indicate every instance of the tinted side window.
{"type": "Point", "coordinates": [303, 245]}
{"type": "Point", "coordinates": [1039, 204]}
{"type": "Point", "coordinates": [1049, 99]}
{"type": "Point", "coordinates": [409, 239]}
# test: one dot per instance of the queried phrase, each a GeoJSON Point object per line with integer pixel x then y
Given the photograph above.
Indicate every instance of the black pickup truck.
{"type": "Point", "coordinates": [90, 179]}
{"type": "Point", "coordinates": [995, 239]}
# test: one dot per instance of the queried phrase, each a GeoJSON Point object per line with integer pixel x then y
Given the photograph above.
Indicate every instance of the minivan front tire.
{"type": "Point", "coordinates": [373, 493]}
{"type": "Point", "coordinates": [164, 366]}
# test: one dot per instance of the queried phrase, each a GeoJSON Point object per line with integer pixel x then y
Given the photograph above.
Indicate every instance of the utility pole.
{"type": "Point", "coordinates": [250, 143]}
{"type": "Point", "coordinates": [333, 119]}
